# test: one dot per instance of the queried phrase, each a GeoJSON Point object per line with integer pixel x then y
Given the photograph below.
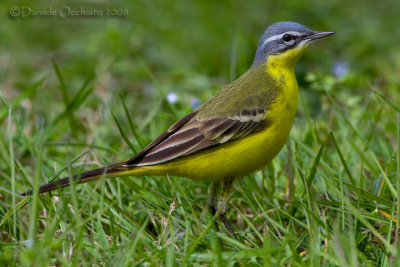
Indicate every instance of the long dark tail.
{"type": "Point", "coordinates": [80, 178]}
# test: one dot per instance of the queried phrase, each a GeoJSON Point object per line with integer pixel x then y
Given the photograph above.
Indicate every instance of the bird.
{"type": "Point", "coordinates": [236, 132]}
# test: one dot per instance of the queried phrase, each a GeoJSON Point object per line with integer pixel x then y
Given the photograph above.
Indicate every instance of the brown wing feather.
{"type": "Point", "coordinates": [200, 134]}
{"type": "Point", "coordinates": [176, 126]}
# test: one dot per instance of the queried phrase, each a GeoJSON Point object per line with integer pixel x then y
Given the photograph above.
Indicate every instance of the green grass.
{"type": "Point", "coordinates": [77, 94]}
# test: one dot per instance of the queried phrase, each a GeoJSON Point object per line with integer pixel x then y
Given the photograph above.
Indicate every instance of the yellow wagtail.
{"type": "Point", "coordinates": [236, 132]}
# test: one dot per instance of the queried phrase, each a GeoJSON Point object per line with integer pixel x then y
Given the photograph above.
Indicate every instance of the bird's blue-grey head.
{"type": "Point", "coordinates": [283, 36]}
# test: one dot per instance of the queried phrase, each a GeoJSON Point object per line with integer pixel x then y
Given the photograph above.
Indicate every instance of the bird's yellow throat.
{"type": "Point", "coordinates": [286, 60]}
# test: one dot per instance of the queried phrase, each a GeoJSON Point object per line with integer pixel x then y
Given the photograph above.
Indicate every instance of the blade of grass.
{"type": "Point", "coordinates": [123, 134]}
{"type": "Point", "coordinates": [12, 167]}
{"type": "Point", "coordinates": [362, 155]}
{"type": "Point", "coordinates": [65, 167]}
{"type": "Point", "coordinates": [78, 99]}
{"type": "Point", "coordinates": [314, 167]}
{"type": "Point", "coordinates": [132, 126]}
{"type": "Point", "coordinates": [131, 250]}
{"type": "Point", "coordinates": [273, 222]}
{"type": "Point", "coordinates": [171, 251]}
{"type": "Point", "coordinates": [369, 195]}
{"type": "Point", "coordinates": [344, 117]}
{"type": "Point", "coordinates": [196, 242]}
{"type": "Point", "coordinates": [35, 197]}
{"type": "Point", "coordinates": [306, 187]}
{"type": "Point", "coordinates": [343, 160]}
{"type": "Point", "coordinates": [387, 180]}
{"type": "Point", "coordinates": [364, 221]}
{"type": "Point", "coordinates": [245, 254]}
{"type": "Point", "coordinates": [14, 209]}
{"type": "Point", "coordinates": [92, 146]}
{"type": "Point", "coordinates": [310, 126]}
{"type": "Point", "coordinates": [310, 152]}
{"type": "Point", "coordinates": [398, 177]}
{"type": "Point", "coordinates": [252, 226]}
{"type": "Point", "coordinates": [385, 99]}
{"type": "Point", "coordinates": [65, 97]}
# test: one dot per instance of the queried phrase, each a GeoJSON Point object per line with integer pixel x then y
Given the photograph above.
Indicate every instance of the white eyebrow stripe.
{"type": "Point", "coordinates": [276, 37]}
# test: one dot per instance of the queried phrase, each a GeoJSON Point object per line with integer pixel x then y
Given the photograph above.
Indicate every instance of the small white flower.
{"type": "Point", "coordinates": [172, 97]}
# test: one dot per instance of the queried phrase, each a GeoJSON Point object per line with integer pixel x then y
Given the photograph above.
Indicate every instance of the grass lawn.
{"type": "Point", "coordinates": [77, 93]}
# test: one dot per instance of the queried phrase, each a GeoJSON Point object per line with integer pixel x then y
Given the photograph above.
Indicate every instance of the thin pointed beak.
{"type": "Point", "coordinates": [318, 35]}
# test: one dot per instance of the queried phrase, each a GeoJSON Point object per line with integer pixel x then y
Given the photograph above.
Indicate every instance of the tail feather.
{"type": "Point", "coordinates": [79, 178]}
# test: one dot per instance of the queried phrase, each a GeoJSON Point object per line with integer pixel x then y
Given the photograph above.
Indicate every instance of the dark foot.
{"type": "Point", "coordinates": [228, 225]}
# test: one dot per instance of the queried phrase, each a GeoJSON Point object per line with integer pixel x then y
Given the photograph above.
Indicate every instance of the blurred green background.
{"type": "Point", "coordinates": [192, 48]}
{"type": "Point", "coordinates": [64, 78]}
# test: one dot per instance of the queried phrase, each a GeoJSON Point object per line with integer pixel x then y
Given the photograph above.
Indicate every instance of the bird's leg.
{"type": "Point", "coordinates": [218, 206]}
{"type": "Point", "coordinates": [222, 203]}
{"type": "Point", "coordinates": [213, 197]}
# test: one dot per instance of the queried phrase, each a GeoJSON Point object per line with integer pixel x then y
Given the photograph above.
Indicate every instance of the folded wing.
{"type": "Point", "coordinates": [185, 138]}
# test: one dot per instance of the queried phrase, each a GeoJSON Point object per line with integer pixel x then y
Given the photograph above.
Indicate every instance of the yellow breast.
{"type": "Point", "coordinates": [243, 156]}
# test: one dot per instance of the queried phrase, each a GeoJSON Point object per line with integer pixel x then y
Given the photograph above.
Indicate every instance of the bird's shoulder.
{"type": "Point", "coordinates": [254, 90]}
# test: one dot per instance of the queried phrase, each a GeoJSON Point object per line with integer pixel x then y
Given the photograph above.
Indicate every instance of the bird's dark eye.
{"type": "Point", "coordinates": [287, 37]}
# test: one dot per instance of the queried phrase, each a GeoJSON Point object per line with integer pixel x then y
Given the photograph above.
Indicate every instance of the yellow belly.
{"type": "Point", "coordinates": [234, 159]}
{"type": "Point", "coordinates": [240, 157]}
